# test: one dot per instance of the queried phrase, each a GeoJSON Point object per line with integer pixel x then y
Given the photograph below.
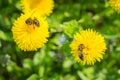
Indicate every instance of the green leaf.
{"type": "Point", "coordinates": [71, 28]}
{"type": "Point", "coordinates": [33, 77]}
{"type": "Point", "coordinates": [3, 35]}
{"type": "Point", "coordinates": [0, 44]}
{"type": "Point", "coordinates": [28, 63]}
{"type": "Point", "coordinates": [37, 59]}
{"type": "Point", "coordinates": [65, 48]}
{"type": "Point", "coordinates": [41, 71]}
{"type": "Point", "coordinates": [69, 77]}
{"type": "Point", "coordinates": [67, 63]}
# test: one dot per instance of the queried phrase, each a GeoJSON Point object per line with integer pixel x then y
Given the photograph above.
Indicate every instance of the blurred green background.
{"type": "Point", "coordinates": [54, 61]}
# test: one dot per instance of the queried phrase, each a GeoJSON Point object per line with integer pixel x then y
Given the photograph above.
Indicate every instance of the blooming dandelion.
{"type": "Point", "coordinates": [115, 4]}
{"type": "Point", "coordinates": [88, 47]}
{"type": "Point", "coordinates": [30, 32]}
{"type": "Point", "coordinates": [43, 7]}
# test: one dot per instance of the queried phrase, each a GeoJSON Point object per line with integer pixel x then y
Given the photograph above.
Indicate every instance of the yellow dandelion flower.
{"type": "Point", "coordinates": [43, 7]}
{"type": "Point", "coordinates": [88, 47]}
{"type": "Point", "coordinates": [115, 4]}
{"type": "Point", "coordinates": [30, 31]}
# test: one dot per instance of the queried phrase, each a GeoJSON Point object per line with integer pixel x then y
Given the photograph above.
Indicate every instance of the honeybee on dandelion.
{"type": "Point", "coordinates": [30, 31]}
{"type": "Point", "coordinates": [88, 46]}
{"type": "Point", "coordinates": [29, 21]}
{"type": "Point", "coordinates": [36, 22]}
{"type": "Point", "coordinates": [80, 51]}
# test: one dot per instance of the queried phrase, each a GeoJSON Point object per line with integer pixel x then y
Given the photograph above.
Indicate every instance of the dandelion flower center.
{"type": "Point", "coordinates": [88, 47]}
{"type": "Point", "coordinates": [31, 24]}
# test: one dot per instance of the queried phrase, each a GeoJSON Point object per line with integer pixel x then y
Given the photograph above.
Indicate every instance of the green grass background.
{"type": "Point", "coordinates": [54, 61]}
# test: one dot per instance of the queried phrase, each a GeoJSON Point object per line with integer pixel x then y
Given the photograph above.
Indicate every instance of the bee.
{"type": "Point", "coordinates": [36, 22]}
{"type": "Point", "coordinates": [81, 47]}
{"type": "Point", "coordinates": [80, 54]}
{"type": "Point", "coordinates": [29, 21]}
{"type": "Point", "coordinates": [80, 51]}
